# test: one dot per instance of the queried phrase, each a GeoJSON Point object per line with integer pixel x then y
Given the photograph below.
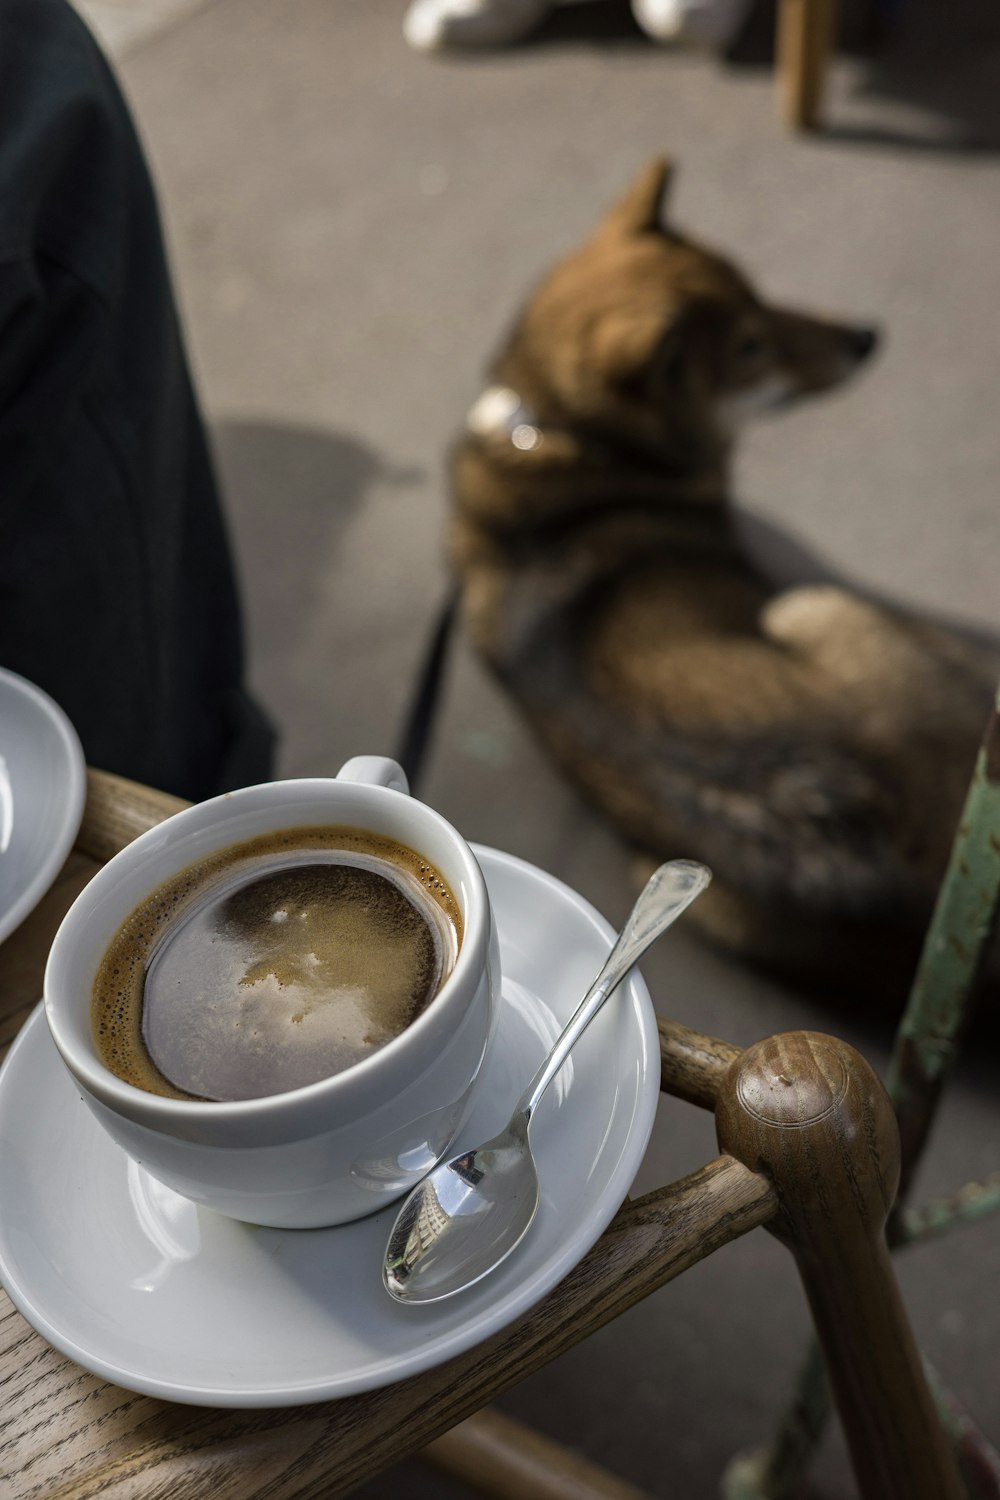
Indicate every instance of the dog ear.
{"type": "Point", "coordinates": [641, 209]}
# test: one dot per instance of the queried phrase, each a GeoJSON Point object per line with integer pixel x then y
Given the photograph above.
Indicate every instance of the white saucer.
{"type": "Point", "coordinates": [42, 787]}
{"type": "Point", "coordinates": [144, 1289]}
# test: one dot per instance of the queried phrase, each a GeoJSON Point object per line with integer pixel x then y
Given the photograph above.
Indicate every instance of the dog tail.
{"type": "Point", "coordinates": [809, 822]}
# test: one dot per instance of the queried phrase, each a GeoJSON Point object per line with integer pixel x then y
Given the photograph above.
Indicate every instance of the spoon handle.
{"type": "Point", "coordinates": [669, 890]}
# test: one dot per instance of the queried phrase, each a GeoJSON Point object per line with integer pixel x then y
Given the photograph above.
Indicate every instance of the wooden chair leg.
{"type": "Point", "coordinates": [804, 45]}
{"type": "Point", "coordinates": [807, 1111]}
{"type": "Point", "coordinates": [509, 1461]}
{"type": "Point", "coordinates": [939, 1007]}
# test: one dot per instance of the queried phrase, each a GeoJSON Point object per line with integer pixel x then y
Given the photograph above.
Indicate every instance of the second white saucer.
{"type": "Point", "coordinates": [43, 782]}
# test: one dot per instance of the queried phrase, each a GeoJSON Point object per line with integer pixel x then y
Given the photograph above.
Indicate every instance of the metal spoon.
{"type": "Point", "coordinates": [469, 1213]}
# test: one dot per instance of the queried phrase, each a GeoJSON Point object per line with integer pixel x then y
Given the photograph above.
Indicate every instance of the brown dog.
{"type": "Point", "coordinates": [811, 745]}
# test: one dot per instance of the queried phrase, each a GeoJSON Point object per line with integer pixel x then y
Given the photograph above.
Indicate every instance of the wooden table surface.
{"type": "Point", "coordinates": [65, 1433]}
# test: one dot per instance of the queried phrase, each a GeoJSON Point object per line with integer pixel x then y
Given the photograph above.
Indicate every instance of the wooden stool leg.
{"type": "Point", "coordinates": [807, 1111]}
{"type": "Point", "coordinates": [804, 45]}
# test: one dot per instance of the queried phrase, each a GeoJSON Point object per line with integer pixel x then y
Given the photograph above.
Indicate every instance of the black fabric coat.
{"type": "Point", "coordinates": [117, 593]}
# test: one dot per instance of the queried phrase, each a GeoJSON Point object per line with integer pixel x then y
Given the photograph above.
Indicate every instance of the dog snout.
{"type": "Point", "coordinates": [862, 342]}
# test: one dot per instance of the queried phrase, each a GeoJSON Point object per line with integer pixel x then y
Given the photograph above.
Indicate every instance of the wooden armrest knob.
{"type": "Point", "coordinates": [807, 1111]}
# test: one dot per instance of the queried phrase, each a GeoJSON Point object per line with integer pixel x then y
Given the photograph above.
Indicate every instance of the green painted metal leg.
{"type": "Point", "coordinates": [951, 962]}
{"type": "Point", "coordinates": [773, 1473]}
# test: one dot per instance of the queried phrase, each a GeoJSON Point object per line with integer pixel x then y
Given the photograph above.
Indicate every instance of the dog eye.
{"type": "Point", "coordinates": [749, 347]}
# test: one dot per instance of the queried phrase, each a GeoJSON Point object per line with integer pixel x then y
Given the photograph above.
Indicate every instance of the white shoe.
{"type": "Point", "coordinates": [707, 23]}
{"type": "Point", "coordinates": [430, 24]}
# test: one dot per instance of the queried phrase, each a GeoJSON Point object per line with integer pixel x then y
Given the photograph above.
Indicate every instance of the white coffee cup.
{"type": "Point", "coordinates": [331, 1151]}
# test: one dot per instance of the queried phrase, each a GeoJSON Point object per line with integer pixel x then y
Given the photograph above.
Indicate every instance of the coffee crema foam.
{"type": "Point", "coordinates": [273, 964]}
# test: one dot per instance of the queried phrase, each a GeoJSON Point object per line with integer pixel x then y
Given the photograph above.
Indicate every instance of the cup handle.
{"type": "Point", "coordinates": [375, 770]}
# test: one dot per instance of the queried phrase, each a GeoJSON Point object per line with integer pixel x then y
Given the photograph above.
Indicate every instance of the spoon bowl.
{"type": "Point", "coordinates": [470, 1212]}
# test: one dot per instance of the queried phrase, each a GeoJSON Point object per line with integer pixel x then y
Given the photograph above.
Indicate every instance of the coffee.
{"type": "Point", "coordinates": [273, 964]}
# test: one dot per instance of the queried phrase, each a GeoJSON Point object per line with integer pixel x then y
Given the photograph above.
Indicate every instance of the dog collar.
{"type": "Point", "coordinates": [500, 412]}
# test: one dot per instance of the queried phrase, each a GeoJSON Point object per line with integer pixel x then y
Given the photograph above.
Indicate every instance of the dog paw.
{"type": "Point", "coordinates": [816, 616]}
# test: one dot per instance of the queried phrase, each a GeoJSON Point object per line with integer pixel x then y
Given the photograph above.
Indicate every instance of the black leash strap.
{"type": "Point", "coordinates": [419, 722]}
